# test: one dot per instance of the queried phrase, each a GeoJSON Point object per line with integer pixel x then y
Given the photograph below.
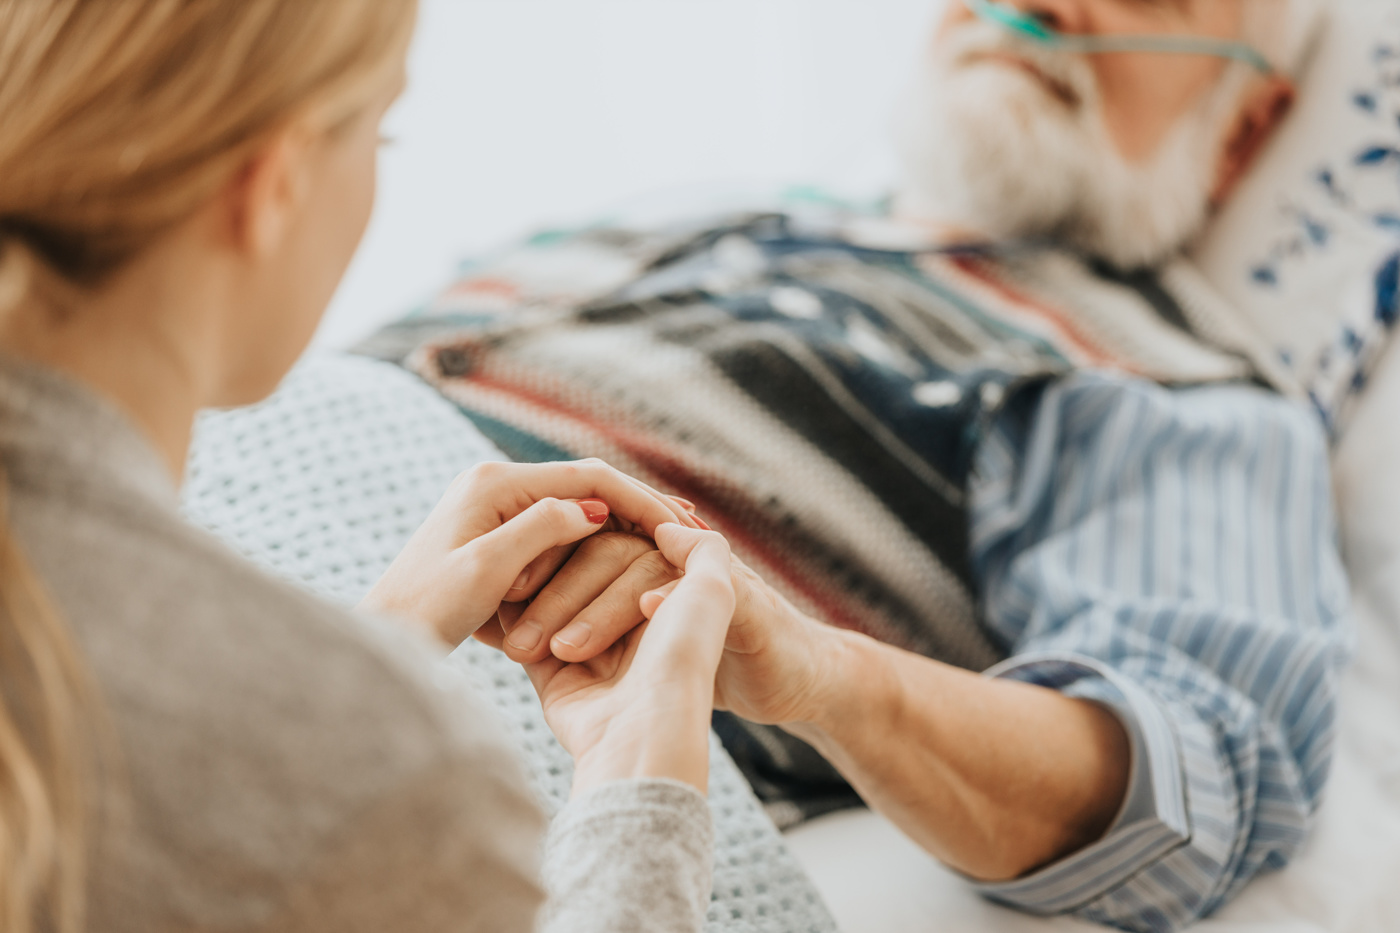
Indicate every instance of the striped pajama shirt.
{"type": "Point", "coordinates": [1171, 554]}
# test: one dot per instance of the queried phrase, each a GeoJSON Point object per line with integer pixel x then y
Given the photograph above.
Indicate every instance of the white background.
{"type": "Point", "coordinates": [521, 113]}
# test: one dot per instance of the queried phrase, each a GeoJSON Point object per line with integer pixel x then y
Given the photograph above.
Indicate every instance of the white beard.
{"type": "Point", "coordinates": [989, 149]}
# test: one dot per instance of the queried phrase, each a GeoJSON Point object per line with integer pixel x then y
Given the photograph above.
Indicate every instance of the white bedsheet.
{"type": "Point", "coordinates": [1348, 878]}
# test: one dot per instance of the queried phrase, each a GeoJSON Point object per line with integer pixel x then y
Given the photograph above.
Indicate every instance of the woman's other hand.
{"type": "Point", "coordinates": [501, 530]}
{"type": "Point", "coordinates": [642, 707]}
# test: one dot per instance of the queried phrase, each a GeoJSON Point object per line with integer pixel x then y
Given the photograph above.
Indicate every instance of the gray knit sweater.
{"type": "Point", "coordinates": [286, 765]}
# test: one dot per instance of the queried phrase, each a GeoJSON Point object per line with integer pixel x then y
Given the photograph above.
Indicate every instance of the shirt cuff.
{"type": "Point", "coordinates": [1153, 819]}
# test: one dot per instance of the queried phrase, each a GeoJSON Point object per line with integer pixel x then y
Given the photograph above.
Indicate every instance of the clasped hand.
{"type": "Point", "coordinates": [774, 655]}
{"type": "Point", "coordinates": [638, 706]}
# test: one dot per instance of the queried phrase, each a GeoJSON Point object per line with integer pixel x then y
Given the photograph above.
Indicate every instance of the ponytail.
{"type": "Point", "coordinates": [44, 744]}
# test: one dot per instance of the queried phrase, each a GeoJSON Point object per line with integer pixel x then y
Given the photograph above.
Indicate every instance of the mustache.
{"type": "Point", "coordinates": [1067, 77]}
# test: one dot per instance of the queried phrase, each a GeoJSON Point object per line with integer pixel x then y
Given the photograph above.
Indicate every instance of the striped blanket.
{"type": "Point", "coordinates": [817, 391]}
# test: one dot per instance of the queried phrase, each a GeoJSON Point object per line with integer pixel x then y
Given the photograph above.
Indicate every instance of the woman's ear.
{"type": "Point", "coordinates": [262, 202]}
{"type": "Point", "coordinates": [1264, 109]}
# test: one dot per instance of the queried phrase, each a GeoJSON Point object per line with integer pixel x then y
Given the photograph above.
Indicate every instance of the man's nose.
{"type": "Point", "coordinates": [1067, 16]}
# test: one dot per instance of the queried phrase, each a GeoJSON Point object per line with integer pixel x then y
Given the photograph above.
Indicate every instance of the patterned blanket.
{"type": "Point", "coordinates": [816, 390]}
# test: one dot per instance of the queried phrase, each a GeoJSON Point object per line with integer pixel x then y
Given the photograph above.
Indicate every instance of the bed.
{"type": "Point", "coordinates": [325, 481]}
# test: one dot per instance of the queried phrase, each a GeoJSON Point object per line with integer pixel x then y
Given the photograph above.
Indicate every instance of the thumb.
{"type": "Point", "coordinates": [690, 622]}
{"type": "Point", "coordinates": [497, 558]}
{"type": "Point", "coordinates": [652, 599]}
{"type": "Point", "coordinates": [696, 552]}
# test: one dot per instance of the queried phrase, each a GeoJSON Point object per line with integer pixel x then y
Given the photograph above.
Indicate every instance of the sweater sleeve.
{"type": "Point", "coordinates": [452, 850]}
{"type": "Point", "coordinates": [456, 849]}
{"type": "Point", "coordinates": [630, 857]}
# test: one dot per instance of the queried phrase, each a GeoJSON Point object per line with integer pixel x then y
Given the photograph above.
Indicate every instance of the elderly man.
{"type": "Point", "coordinates": [1145, 531]}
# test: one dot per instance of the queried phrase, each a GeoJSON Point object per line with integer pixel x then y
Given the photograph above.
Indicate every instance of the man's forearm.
{"type": "Point", "coordinates": [993, 777]}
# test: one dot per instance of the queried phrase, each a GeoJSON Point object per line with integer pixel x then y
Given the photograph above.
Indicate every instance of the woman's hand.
{"type": "Point", "coordinates": [642, 707]}
{"type": "Point", "coordinates": [500, 532]}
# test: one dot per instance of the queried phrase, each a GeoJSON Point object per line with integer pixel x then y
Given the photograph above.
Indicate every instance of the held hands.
{"type": "Point", "coordinates": [622, 640]}
{"type": "Point", "coordinates": [501, 530]}
{"type": "Point", "coordinates": [774, 656]}
{"type": "Point", "coordinates": [640, 706]}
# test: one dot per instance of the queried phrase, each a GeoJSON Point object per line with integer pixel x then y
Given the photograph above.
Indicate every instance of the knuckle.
{"type": "Point", "coordinates": [548, 607]}
{"type": "Point", "coordinates": [594, 468]}
{"type": "Point", "coordinates": [655, 564]}
{"type": "Point", "coordinates": [614, 547]}
{"type": "Point", "coordinates": [557, 517]}
{"type": "Point", "coordinates": [482, 473]}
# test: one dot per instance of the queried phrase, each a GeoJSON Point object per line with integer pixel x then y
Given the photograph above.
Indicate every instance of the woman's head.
{"type": "Point", "coordinates": [124, 119]}
{"type": "Point", "coordinates": [135, 128]}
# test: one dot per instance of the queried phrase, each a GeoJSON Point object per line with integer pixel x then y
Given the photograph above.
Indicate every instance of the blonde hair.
{"type": "Point", "coordinates": [121, 119]}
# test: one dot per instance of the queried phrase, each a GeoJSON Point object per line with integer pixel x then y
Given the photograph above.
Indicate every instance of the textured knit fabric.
{"type": "Point", "coordinates": [1173, 555]}
{"type": "Point", "coordinates": [632, 896]}
{"type": "Point", "coordinates": [281, 763]}
{"type": "Point", "coordinates": [322, 485]}
{"type": "Point", "coordinates": [818, 397]}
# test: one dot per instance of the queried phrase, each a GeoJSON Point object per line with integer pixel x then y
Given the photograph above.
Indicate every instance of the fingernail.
{"type": "Point", "coordinates": [521, 580]}
{"type": "Point", "coordinates": [595, 509]}
{"type": "Point", "coordinates": [575, 636]}
{"type": "Point", "coordinates": [684, 503]}
{"type": "Point", "coordinates": [701, 522]}
{"type": "Point", "coordinates": [526, 637]}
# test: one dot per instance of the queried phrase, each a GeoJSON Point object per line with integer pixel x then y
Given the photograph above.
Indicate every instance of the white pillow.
{"type": "Point", "coordinates": [1309, 247]}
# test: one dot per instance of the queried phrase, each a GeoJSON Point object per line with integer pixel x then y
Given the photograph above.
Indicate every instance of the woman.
{"type": "Point", "coordinates": [184, 743]}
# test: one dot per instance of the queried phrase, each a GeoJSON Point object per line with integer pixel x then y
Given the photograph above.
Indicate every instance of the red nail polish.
{"type": "Point", "coordinates": [701, 522]}
{"type": "Point", "coordinates": [595, 509]}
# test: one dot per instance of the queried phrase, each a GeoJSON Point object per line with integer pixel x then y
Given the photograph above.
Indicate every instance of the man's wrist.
{"type": "Point", "coordinates": [846, 686]}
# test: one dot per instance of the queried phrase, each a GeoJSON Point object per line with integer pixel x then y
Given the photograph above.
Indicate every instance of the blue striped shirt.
{"type": "Point", "coordinates": [1171, 554]}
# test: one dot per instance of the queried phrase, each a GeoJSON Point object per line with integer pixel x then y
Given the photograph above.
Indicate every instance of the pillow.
{"type": "Point", "coordinates": [324, 482]}
{"type": "Point", "coordinates": [1308, 249]}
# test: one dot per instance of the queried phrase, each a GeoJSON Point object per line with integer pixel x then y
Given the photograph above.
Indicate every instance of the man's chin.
{"type": "Point", "coordinates": [984, 151]}
{"type": "Point", "coordinates": [985, 154]}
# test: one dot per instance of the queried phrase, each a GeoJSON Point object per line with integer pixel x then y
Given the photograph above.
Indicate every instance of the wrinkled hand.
{"type": "Point", "coordinates": [640, 706]}
{"type": "Point", "coordinates": [774, 654]}
{"type": "Point", "coordinates": [500, 531]}
{"type": "Point", "coordinates": [591, 602]}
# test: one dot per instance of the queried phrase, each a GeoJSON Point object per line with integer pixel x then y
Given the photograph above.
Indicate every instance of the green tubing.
{"type": "Point", "coordinates": [1033, 29]}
